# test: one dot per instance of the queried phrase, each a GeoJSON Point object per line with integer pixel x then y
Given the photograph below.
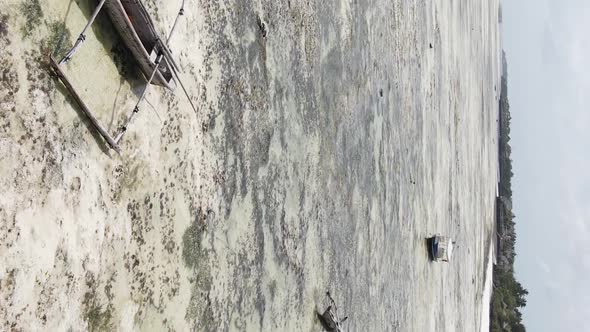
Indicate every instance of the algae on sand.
{"type": "Point", "coordinates": [33, 15]}
{"type": "Point", "coordinates": [191, 245]}
{"type": "Point", "coordinates": [58, 40]}
{"type": "Point", "coordinates": [97, 317]}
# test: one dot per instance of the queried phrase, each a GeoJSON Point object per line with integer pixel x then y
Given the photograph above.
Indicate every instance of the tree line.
{"type": "Point", "coordinates": [508, 295]}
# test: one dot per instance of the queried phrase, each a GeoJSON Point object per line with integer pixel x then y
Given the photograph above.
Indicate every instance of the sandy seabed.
{"type": "Point", "coordinates": [331, 138]}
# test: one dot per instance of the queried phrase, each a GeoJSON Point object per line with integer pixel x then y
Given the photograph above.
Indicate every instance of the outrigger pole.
{"type": "Point", "coordinates": [60, 74]}
{"type": "Point", "coordinates": [163, 52]}
{"type": "Point", "coordinates": [141, 97]}
{"type": "Point", "coordinates": [180, 13]}
{"type": "Point", "coordinates": [173, 67]}
{"type": "Point", "coordinates": [82, 36]}
{"type": "Point", "coordinates": [101, 130]}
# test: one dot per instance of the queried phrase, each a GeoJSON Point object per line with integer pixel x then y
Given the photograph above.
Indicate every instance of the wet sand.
{"type": "Point", "coordinates": [331, 139]}
{"type": "Point", "coordinates": [367, 141]}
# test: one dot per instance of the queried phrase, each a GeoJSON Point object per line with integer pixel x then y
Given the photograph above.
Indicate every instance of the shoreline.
{"type": "Point", "coordinates": [487, 291]}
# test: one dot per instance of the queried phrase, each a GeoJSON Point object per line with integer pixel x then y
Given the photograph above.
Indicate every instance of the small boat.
{"type": "Point", "coordinates": [440, 248]}
{"type": "Point", "coordinates": [137, 30]}
{"type": "Point", "coordinates": [135, 26]}
{"type": "Point", "coordinates": [329, 318]}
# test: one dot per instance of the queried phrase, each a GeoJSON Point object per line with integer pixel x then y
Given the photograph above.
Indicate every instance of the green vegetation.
{"type": "Point", "coordinates": [200, 312]}
{"type": "Point", "coordinates": [98, 317]}
{"type": "Point", "coordinates": [507, 298]}
{"type": "Point", "coordinates": [33, 14]}
{"type": "Point", "coordinates": [3, 25]}
{"type": "Point", "coordinates": [191, 245]}
{"type": "Point", "coordinates": [508, 295]}
{"type": "Point", "coordinates": [58, 40]}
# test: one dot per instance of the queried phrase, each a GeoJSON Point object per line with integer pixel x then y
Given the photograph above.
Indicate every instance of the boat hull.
{"type": "Point", "coordinates": [136, 29]}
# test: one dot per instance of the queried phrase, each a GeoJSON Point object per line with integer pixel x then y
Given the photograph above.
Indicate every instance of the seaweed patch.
{"type": "Point", "coordinates": [58, 40]}
{"type": "Point", "coordinates": [33, 15]}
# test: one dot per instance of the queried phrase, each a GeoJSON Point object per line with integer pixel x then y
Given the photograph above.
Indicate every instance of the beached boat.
{"type": "Point", "coordinates": [329, 318]}
{"type": "Point", "coordinates": [440, 248]}
{"type": "Point", "coordinates": [136, 28]}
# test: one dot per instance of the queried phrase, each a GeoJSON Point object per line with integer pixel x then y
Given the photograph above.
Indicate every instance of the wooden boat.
{"type": "Point", "coordinates": [136, 28]}
{"type": "Point", "coordinates": [330, 320]}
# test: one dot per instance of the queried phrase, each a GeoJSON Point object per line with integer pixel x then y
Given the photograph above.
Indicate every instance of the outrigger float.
{"type": "Point", "coordinates": [137, 30]}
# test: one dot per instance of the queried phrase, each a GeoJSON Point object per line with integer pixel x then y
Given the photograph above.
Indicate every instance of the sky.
{"type": "Point", "coordinates": [547, 45]}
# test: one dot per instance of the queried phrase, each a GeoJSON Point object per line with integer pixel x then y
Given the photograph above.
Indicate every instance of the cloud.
{"type": "Point", "coordinates": [543, 266]}
{"type": "Point", "coordinates": [549, 67]}
{"type": "Point", "coordinates": [566, 30]}
{"type": "Point", "coordinates": [575, 218]}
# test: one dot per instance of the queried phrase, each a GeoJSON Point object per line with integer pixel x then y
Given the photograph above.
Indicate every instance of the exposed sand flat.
{"type": "Point", "coordinates": [324, 151]}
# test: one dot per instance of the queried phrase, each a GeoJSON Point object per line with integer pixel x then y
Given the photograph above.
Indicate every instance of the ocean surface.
{"type": "Point", "coordinates": [349, 131]}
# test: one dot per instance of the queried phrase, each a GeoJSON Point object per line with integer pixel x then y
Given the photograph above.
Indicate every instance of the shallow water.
{"type": "Point", "coordinates": [346, 139]}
